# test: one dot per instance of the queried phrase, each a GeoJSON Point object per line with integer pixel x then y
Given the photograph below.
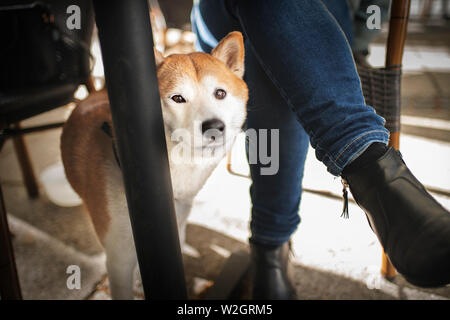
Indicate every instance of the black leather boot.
{"type": "Point", "coordinates": [269, 273]}
{"type": "Point", "coordinates": [412, 226]}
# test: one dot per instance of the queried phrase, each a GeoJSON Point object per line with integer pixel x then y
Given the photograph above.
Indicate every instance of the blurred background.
{"type": "Point", "coordinates": [334, 258]}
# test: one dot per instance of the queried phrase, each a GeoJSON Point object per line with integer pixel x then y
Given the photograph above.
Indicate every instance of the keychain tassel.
{"type": "Point", "coordinates": [345, 196]}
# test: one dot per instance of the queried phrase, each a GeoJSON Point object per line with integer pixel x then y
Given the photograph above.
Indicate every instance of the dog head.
{"type": "Point", "coordinates": [203, 98]}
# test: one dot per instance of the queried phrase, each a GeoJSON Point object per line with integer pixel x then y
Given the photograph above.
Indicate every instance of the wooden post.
{"type": "Point", "coordinates": [90, 84]}
{"type": "Point", "coordinates": [26, 167]}
{"type": "Point", "coordinates": [394, 54]}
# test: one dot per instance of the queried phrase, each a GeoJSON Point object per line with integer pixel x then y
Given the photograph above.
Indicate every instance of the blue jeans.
{"type": "Point", "coordinates": [302, 80]}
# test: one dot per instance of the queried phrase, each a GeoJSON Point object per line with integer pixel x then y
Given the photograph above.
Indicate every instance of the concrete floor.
{"type": "Point", "coordinates": [334, 258]}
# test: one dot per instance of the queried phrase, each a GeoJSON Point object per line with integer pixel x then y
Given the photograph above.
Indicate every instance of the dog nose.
{"type": "Point", "coordinates": [213, 124]}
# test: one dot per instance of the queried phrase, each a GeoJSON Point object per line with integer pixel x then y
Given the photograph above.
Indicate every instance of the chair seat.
{"type": "Point", "coordinates": [25, 103]}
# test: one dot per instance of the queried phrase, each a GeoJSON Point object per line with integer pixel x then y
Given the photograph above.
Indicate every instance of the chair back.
{"type": "Point", "coordinates": [37, 46]}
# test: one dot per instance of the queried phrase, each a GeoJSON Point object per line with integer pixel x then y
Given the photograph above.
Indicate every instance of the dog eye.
{"type": "Point", "coordinates": [178, 98]}
{"type": "Point", "coordinates": [220, 94]}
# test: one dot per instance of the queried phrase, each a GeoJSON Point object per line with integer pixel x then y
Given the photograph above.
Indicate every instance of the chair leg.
{"type": "Point", "coordinates": [90, 84]}
{"type": "Point", "coordinates": [394, 55]}
{"type": "Point", "coordinates": [25, 165]}
{"type": "Point", "coordinates": [9, 281]}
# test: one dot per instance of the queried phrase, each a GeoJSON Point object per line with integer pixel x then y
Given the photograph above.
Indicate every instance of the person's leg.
{"type": "Point", "coordinates": [341, 10]}
{"type": "Point", "coordinates": [305, 54]}
{"type": "Point", "coordinates": [275, 196]}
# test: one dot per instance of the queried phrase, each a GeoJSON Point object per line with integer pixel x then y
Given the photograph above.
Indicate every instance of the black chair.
{"type": "Point", "coordinates": [42, 64]}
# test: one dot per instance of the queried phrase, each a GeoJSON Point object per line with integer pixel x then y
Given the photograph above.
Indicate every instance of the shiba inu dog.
{"type": "Point", "coordinates": [203, 100]}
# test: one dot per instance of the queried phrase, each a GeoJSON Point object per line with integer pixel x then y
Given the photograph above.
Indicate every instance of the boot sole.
{"type": "Point", "coordinates": [427, 284]}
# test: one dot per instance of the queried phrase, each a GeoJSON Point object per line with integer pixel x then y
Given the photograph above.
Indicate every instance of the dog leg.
{"type": "Point", "coordinates": [121, 261]}
{"type": "Point", "coordinates": [121, 256]}
{"type": "Point", "coordinates": [183, 208]}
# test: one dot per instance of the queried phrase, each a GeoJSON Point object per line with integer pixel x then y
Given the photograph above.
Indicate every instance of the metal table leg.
{"type": "Point", "coordinates": [127, 50]}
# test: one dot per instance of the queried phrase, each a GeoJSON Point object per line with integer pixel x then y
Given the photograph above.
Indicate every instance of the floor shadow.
{"type": "Point", "coordinates": [310, 283]}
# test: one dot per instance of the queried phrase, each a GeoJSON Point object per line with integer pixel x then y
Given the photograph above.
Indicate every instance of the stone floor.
{"type": "Point", "coordinates": [334, 258]}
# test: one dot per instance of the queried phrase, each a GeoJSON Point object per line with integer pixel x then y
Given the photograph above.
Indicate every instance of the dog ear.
{"type": "Point", "coordinates": [230, 50]}
{"type": "Point", "coordinates": [159, 58]}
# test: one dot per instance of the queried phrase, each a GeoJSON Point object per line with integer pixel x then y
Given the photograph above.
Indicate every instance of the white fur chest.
{"type": "Point", "coordinates": [188, 179]}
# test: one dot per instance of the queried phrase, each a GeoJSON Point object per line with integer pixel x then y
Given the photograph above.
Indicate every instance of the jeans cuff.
{"type": "Point", "coordinates": [355, 148]}
{"type": "Point", "coordinates": [269, 241]}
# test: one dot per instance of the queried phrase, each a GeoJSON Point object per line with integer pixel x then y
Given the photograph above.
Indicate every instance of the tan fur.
{"type": "Point", "coordinates": [84, 150]}
{"type": "Point", "coordinates": [94, 174]}
{"type": "Point", "coordinates": [196, 66]}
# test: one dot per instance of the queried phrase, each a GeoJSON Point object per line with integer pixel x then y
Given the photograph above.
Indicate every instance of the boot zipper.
{"type": "Point", "coordinates": [345, 196]}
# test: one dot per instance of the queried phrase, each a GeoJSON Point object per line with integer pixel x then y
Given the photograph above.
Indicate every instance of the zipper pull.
{"type": "Point", "coordinates": [345, 196]}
